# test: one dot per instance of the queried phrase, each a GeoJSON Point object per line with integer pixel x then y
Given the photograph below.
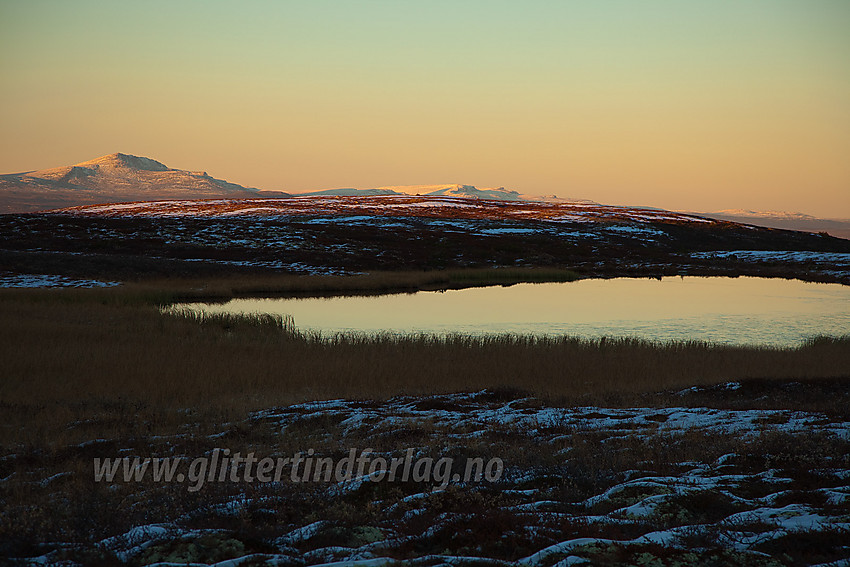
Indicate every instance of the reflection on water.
{"type": "Point", "coordinates": [724, 310]}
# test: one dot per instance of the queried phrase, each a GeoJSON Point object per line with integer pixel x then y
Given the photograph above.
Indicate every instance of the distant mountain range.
{"type": "Point", "coordinates": [118, 178]}
{"type": "Point", "coordinates": [788, 221]}
{"type": "Point", "coordinates": [451, 190]}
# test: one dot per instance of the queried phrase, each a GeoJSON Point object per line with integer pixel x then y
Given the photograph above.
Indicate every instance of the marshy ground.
{"type": "Point", "coordinates": [615, 452]}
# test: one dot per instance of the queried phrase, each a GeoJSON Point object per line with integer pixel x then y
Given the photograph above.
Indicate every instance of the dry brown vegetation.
{"type": "Point", "coordinates": [111, 358]}
{"type": "Point", "coordinates": [104, 372]}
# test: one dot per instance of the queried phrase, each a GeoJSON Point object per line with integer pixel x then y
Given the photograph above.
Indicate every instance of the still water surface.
{"type": "Point", "coordinates": [724, 310]}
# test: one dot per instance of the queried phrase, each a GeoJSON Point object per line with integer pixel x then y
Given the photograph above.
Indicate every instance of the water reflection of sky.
{"type": "Point", "coordinates": [727, 310]}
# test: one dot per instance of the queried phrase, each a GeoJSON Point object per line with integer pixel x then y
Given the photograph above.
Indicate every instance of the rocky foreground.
{"type": "Point", "coordinates": [726, 475]}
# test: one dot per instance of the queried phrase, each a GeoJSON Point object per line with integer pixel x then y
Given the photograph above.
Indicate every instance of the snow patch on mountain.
{"type": "Point", "coordinates": [347, 192]}
{"type": "Point", "coordinates": [125, 161]}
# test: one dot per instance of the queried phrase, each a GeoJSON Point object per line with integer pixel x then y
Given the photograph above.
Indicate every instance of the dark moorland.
{"type": "Point", "coordinates": [615, 452]}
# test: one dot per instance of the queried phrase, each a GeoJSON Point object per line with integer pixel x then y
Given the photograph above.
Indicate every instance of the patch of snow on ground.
{"type": "Point", "coordinates": [831, 258]}
{"type": "Point", "coordinates": [509, 231]}
{"type": "Point", "coordinates": [629, 506]}
{"type": "Point", "coordinates": [46, 280]}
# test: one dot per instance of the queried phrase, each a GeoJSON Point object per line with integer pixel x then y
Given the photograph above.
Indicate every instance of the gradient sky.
{"type": "Point", "coordinates": [677, 104]}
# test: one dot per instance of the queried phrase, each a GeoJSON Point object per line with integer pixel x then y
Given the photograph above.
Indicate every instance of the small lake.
{"type": "Point", "coordinates": [724, 310]}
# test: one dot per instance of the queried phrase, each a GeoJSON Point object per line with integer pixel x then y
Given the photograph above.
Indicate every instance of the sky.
{"type": "Point", "coordinates": [678, 104]}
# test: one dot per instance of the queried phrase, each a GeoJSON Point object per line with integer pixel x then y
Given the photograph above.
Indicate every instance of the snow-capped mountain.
{"type": "Point", "coordinates": [449, 190]}
{"type": "Point", "coordinates": [111, 179]}
{"type": "Point", "coordinates": [121, 177]}
{"type": "Point", "coordinates": [467, 191]}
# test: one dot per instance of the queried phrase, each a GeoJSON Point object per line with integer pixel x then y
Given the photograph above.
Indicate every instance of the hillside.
{"type": "Point", "coordinates": [344, 235]}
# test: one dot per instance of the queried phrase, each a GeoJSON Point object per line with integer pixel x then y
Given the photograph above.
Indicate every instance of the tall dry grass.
{"type": "Point", "coordinates": [109, 361]}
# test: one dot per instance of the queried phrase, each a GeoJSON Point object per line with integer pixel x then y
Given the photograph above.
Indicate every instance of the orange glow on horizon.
{"type": "Point", "coordinates": [685, 106]}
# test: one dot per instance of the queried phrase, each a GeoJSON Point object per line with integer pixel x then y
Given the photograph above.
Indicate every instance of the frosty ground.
{"type": "Point", "coordinates": [728, 474]}
{"type": "Point", "coordinates": [346, 235]}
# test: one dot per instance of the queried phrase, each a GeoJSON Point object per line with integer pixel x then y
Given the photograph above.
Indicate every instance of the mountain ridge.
{"type": "Point", "coordinates": [441, 190]}
{"type": "Point", "coordinates": [112, 178]}
{"type": "Point", "coordinates": [120, 177]}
